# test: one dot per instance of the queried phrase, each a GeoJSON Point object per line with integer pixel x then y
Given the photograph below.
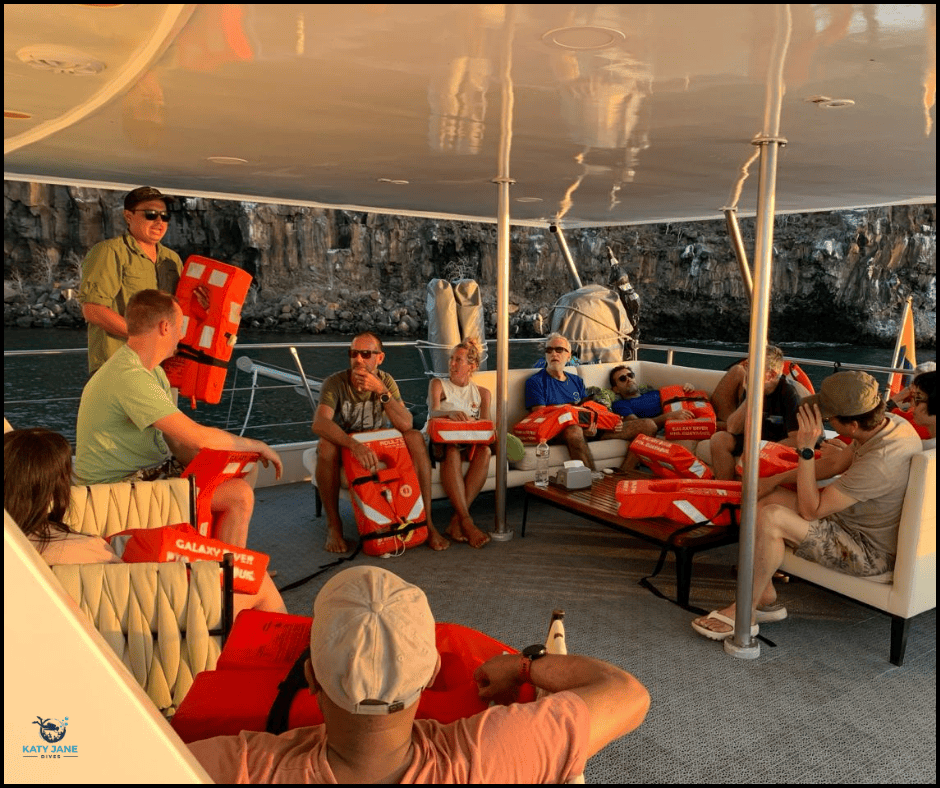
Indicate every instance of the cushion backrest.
{"type": "Point", "coordinates": [106, 509]}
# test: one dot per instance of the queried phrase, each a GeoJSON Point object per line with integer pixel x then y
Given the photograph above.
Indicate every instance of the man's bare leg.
{"type": "Point", "coordinates": [577, 446]}
{"type": "Point", "coordinates": [722, 444]}
{"type": "Point", "coordinates": [328, 455]}
{"type": "Point", "coordinates": [232, 504]}
{"type": "Point", "coordinates": [777, 525]}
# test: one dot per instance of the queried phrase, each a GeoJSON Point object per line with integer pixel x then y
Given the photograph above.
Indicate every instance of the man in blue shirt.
{"type": "Point", "coordinates": [553, 386]}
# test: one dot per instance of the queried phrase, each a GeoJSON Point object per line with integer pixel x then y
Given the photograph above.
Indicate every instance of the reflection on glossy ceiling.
{"type": "Point", "coordinates": [606, 114]}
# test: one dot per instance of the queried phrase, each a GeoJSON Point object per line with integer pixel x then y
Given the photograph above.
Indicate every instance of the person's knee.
{"type": "Point", "coordinates": [648, 427]}
{"type": "Point", "coordinates": [233, 495]}
{"type": "Point", "coordinates": [721, 442]}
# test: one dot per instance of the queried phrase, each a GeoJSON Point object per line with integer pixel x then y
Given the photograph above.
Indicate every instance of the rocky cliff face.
{"type": "Point", "coordinates": [838, 277]}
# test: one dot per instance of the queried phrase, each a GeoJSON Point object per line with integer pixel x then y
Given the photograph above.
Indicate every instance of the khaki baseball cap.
{"type": "Point", "coordinates": [846, 394]}
{"type": "Point", "coordinates": [372, 644]}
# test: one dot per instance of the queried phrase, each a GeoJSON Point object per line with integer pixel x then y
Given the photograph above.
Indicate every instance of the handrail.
{"type": "Point", "coordinates": [670, 351]}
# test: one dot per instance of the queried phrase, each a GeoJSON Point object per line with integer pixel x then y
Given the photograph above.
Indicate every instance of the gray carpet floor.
{"type": "Point", "coordinates": [822, 704]}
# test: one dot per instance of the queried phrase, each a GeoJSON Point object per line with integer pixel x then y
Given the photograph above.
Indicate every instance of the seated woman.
{"type": "Point", "coordinates": [924, 397]}
{"type": "Point", "coordinates": [460, 399]}
{"type": "Point", "coordinates": [37, 478]}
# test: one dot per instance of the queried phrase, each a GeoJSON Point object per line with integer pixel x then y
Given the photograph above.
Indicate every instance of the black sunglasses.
{"type": "Point", "coordinates": [628, 375]}
{"type": "Point", "coordinates": [366, 354]}
{"type": "Point", "coordinates": [556, 350]}
{"type": "Point", "coordinates": [151, 215]}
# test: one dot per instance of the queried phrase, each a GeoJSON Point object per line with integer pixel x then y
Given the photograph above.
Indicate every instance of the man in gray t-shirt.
{"type": "Point", "coordinates": [360, 399]}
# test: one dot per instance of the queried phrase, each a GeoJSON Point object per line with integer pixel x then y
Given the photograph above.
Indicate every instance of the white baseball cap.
{"type": "Point", "coordinates": [372, 644]}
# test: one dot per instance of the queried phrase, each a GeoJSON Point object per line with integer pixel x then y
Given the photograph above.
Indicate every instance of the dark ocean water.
{"type": "Point", "coordinates": [44, 390]}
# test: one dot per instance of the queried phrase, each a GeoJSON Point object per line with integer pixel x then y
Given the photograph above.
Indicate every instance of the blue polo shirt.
{"type": "Point", "coordinates": [543, 389]}
{"type": "Point", "coordinates": [646, 406]}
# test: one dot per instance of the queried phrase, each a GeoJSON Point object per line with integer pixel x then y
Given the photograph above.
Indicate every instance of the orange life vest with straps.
{"type": "Point", "coordinates": [686, 501]}
{"type": "Point", "coordinates": [669, 460]}
{"type": "Point", "coordinates": [201, 361]}
{"type": "Point", "coordinates": [261, 651]}
{"type": "Point", "coordinates": [211, 467]}
{"type": "Point", "coordinates": [702, 424]}
{"type": "Point", "coordinates": [387, 502]}
{"type": "Point", "coordinates": [547, 422]}
{"type": "Point", "coordinates": [774, 459]}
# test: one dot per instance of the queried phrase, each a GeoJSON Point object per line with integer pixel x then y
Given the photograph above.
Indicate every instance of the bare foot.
{"type": "Point", "coordinates": [435, 540]}
{"type": "Point", "coordinates": [335, 542]}
{"type": "Point", "coordinates": [474, 535]}
{"type": "Point", "coordinates": [455, 532]}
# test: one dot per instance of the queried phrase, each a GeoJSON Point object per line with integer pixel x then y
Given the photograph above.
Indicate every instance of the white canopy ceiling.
{"type": "Point", "coordinates": [611, 114]}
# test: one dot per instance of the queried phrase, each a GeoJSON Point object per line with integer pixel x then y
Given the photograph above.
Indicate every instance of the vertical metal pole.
{"type": "Point", "coordinates": [742, 645]}
{"type": "Point", "coordinates": [501, 532]}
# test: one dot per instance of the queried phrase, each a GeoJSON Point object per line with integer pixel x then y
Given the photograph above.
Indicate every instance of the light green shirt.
{"type": "Point", "coordinates": [112, 272]}
{"type": "Point", "coordinates": [120, 403]}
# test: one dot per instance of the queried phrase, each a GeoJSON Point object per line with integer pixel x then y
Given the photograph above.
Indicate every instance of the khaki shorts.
{"type": "Point", "coordinates": [832, 545]}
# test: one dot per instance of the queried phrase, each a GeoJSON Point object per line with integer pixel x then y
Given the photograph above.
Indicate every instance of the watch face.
{"type": "Point", "coordinates": [534, 652]}
{"type": "Point", "coordinates": [807, 454]}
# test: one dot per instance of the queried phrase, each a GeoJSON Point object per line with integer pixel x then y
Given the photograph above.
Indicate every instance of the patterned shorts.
{"type": "Point", "coordinates": [168, 469]}
{"type": "Point", "coordinates": [832, 545]}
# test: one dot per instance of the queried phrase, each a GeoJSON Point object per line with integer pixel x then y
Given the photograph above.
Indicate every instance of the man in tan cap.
{"type": "Point", "coordinates": [850, 525]}
{"type": "Point", "coordinates": [116, 269]}
{"type": "Point", "coordinates": [372, 652]}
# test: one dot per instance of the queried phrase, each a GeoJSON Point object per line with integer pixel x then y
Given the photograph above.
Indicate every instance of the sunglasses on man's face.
{"type": "Point", "coordinates": [366, 354]}
{"type": "Point", "coordinates": [151, 215]}
{"type": "Point", "coordinates": [556, 350]}
{"type": "Point", "coordinates": [626, 376]}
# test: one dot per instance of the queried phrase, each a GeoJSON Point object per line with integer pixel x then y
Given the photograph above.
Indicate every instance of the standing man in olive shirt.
{"type": "Point", "coordinates": [116, 269]}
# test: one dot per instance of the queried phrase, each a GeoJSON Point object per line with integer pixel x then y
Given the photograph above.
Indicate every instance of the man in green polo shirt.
{"type": "Point", "coordinates": [116, 269]}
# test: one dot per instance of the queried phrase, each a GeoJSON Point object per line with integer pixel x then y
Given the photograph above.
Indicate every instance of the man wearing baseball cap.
{"type": "Point", "coordinates": [372, 652]}
{"type": "Point", "coordinates": [850, 525]}
{"type": "Point", "coordinates": [116, 269]}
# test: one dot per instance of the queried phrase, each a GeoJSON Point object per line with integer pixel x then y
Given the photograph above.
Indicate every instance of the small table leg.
{"type": "Point", "coordinates": [525, 512]}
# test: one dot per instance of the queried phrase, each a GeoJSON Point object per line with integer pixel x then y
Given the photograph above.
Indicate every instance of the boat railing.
{"type": "Point", "coordinates": [289, 379]}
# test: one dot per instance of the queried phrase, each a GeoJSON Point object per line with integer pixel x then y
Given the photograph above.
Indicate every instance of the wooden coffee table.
{"type": "Point", "coordinates": [599, 503]}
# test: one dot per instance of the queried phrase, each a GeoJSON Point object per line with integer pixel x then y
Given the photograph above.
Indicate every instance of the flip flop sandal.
{"type": "Point", "coordinates": [705, 632]}
{"type": "Point", "coordinates": [768, 614]}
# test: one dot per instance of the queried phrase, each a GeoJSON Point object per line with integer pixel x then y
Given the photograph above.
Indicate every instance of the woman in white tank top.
{"type": "Point", "coordinates": [460, 399]}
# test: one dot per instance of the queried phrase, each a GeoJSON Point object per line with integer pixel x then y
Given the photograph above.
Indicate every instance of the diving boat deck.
{"type": "Point", "coordinates": [821, 705]}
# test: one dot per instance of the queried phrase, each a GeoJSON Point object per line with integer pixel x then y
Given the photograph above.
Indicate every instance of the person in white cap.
{"type": "Point", "coordinates": [850, 525]}
{"type": "Point", "coordinates": [372, 652]}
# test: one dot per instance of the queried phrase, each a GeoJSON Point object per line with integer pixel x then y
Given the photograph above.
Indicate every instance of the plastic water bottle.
{"type": "Point", "coordinates": [541, 465]}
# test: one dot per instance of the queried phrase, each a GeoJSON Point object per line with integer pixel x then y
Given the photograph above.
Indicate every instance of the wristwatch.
{"type": "Point", "coordinates": [807, 453]}
{"type": "Point", "coordinates": [529, 655]}
{"type": "Point", "coordinates": [385, 398]}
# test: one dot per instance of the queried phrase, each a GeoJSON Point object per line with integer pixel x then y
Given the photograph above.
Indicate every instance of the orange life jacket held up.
{"type": "Point", "coordinates": [199, 366]}
{"type": "Point", "coordinates": [702, 424]}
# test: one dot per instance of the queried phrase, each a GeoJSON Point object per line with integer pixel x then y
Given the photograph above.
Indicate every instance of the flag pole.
{"type": "Point", "coordinates": [899, 344]}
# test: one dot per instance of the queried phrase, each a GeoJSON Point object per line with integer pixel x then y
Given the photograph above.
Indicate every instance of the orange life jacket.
{"type": "Point", "coordinates": [211, 467]}
{"type": "Point", "coordinates": [669, 460]}
{"type": "Point", "coordinates": [908, 415]}
{"type": "Point", "coordinates": [183, 543]}
{"type": "Point", "coordinates": [606, 418]}
{"type": "Point", "coordinates": [700, 427]}
{"type": "Point", "coordinates": [685, 501]}
{"type": "Point", "coordinates": [774, 459]}
{"type": "Point", "coordinates": [263, 647]}
{"type": "Point", "coordinates": [387, 502]}
{"type": "Point", "coordinates": [199, 366]}
{"type": "Point", "coordinates": [545, 423]}
{"type": "Point", "coordinates": [444, 430]}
